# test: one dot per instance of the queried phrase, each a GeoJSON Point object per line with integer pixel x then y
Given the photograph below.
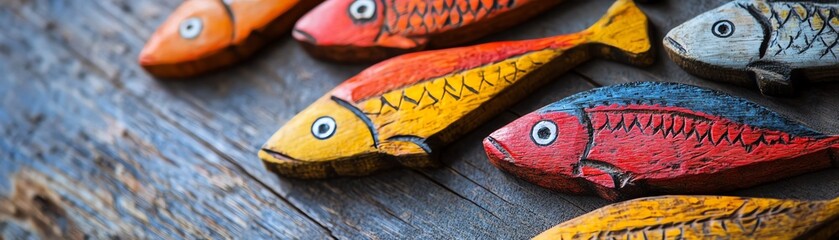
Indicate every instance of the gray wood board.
{"type": "Point", "coordinates": [93, 146]}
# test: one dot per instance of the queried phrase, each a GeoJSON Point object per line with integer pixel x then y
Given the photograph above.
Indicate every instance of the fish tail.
{"type": "Point", "coordinates": [622, 35]}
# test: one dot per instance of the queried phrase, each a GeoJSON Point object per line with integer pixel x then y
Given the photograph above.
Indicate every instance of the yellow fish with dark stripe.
{"type": "Point", "coordinates": [704, 217]}
{"type": "Point", "coordinates": [401, 111]}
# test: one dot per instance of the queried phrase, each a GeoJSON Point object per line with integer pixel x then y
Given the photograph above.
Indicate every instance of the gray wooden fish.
{"type": "Point", "coordinates": [767, 42]}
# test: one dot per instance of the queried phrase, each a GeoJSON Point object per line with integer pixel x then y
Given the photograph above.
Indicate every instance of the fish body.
{"type": "Point", "coordinates": [764, 43]}
{"type": "Point", "coordinates": [704, 217]}
{"type": "Point", "coordinates": [370, 30]}
{"type": "Point", "coordinates": [399, 111]}
{"type": "Point", "coordinates": [639, 139]}
{"type": "Point", "coordinates": [202, 35]}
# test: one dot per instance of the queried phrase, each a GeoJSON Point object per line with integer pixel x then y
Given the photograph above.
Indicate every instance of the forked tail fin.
{"type": "Point", "coordinates": [623, 34]}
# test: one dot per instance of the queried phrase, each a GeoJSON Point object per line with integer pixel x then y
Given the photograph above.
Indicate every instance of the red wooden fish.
{"type": "Point", "coordinates": [649, 138]}
{"type": "Point", "coordinates": [370, 30]}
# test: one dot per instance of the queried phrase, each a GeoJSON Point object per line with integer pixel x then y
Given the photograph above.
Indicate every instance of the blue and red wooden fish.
{"type": "Point", "coordinates": [650, 138]}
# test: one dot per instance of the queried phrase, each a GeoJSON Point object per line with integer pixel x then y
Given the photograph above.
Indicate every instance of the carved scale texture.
{"type": "Point", "coordinates": [802, 28]}
{"type": "Point", "coordinates": [697, 144]}
{"type": "Point", "coordinates": [685, 126]}
{"type": "Point", "coordinates": [421, 17]}
{"type": "Point", "coordinates": [702, 217]}
{"type": "Point", "coordinates": [453, 96]}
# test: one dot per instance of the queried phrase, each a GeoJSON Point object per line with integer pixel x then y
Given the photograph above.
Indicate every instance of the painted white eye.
{"type": "Point", "coordinates": [544, 133]}
{"type": "Point", "coordinates": [363, 10]}
{"type": "Point", "coordinates": [723, 29]}
{"type": "Point", "coordinates": [323, 128]}
{"type": "Point", "coordinates": [191, 27]}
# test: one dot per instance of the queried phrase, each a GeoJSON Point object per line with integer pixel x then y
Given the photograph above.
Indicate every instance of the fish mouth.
{"type": "Point", "coordinates": [303, 36]}
{"type": "Point", "coordinates": [671, 43]}
{"type": "Point", "coordinates": [280, 157]}
{"type": "Point", "coordinates": [496, 152]}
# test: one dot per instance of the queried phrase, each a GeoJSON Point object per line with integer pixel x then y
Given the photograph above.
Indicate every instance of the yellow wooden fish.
{"type": "Point", "coordinates": [399, 111]}
{"type": "Point", "coordinates": [704, 217]}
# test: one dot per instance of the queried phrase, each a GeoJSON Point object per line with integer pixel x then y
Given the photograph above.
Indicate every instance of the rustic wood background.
{"type": "Point", "coordinates": [93, 146]}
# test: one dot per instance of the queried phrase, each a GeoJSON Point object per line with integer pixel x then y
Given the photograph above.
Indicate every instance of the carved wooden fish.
{"type": "Point", "coordinates": [704, 217]}
{"type": "Point", "coordinates": [369, 30]}
{"type": "Point", "coordinates": [203, 35]}
{"type": "Point", "coordinates": [648, 138]}
{"type": "Point", "coordinates": [399, 111]}
{"type": "Point", "coordinates": [767, 43]}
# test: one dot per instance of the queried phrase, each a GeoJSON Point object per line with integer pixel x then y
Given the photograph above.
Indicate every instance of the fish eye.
{"type": "Point", "coordinates": [191, 27]}
{"type": "Point", "coordinates": [323, 128]}
{"type": "Point", "coordinates": [723, 28]}
{"type": "Point", "coordinates": [363, 10]}
{"type": "Point", "coordinates": [544, 133]}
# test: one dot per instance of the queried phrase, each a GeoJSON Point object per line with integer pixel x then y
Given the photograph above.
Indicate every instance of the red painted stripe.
{"type": "Point", "coordinates": [414, 68]}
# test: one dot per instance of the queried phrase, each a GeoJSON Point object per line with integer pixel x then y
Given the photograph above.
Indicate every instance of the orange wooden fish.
{"type": "Point", "coordinates": [400, 111]}
{"type": "Point", "coordinates": [203, 35]}
{"type": "Point", "coordinates": [368, 30]}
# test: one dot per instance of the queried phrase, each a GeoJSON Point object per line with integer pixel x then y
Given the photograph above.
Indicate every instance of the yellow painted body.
{"type": "Point", "coordinates": [704, 217]}
{"type": "Point", "coordinates": [413, 113]}
{"type": "Point", "coordinates": [443, 100]}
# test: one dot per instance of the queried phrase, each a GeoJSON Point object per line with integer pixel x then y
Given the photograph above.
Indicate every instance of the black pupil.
{"type": "Point", "coordinates": [323, 128]}
{"type": "Point", "coordinates": [723, 29]}
{"type": "Point", "coordinates": [189, 27]}
{"type": "Point", "coordinates": [362, 9]}
{"type": "Point", "coordinates": [544, 133]}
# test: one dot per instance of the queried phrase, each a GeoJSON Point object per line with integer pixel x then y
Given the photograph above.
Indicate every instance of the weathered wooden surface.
{"type": "Point", "coordinates": [647, 138]}
{"type": "Point", "coordinates": [704, 217]}
{"type": "Point", "coordinates": [93, 146]}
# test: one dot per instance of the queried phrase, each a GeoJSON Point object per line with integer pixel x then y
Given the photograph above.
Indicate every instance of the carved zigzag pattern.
{"type": "Point", "coordinates": [455, 86]}
{"type": "Point", "coordinates": [422, 17]}
{"type": "Point", "coordinates": [748, 222]}
{"type": "Point", "coordinates": [802, 27]}
{"type": "Point", "coordinates": [686, 126]}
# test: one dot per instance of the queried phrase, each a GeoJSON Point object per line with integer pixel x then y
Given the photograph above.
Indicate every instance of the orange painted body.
{"type": "Point", "coordinates": [369, 30]}
{"type": "Point", "coordinates": [203, 35]}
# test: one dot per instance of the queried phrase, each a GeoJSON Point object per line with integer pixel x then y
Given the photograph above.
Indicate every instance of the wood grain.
{"type": "Point", "coordinates": [704, 217]}
{"type": "Point", "coordinates": [82, 55]}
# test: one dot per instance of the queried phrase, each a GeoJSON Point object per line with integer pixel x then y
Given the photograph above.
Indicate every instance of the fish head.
{"type": "Point", "coordinates": [341, 23]}
{"type": "Point", "coordinates": [729, 36]}
{"type": "Point", "coordinates": [542, 147]}
{"type": "Point", "coordinates": [195, 29]}
{"type": "Point", "coordinates": [324, 133]}
{"type": "Point", "coordinates": [354, 30]}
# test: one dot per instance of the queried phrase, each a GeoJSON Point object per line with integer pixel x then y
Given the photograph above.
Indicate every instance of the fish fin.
{"type": "Point", "coordinates": [773, 79]}
{"type": "Point", "coordinates": [623, 34]}
{"type": "Point", "coordinates": [402, 42]}
{"type": "Point", "coordinates": [410, 151]}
